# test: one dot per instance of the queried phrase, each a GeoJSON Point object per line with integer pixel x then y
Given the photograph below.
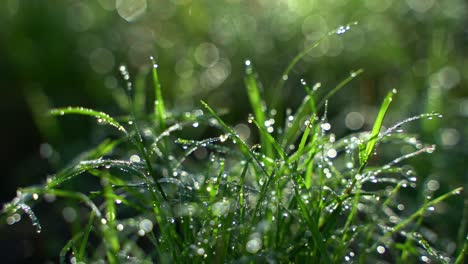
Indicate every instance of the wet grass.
{"type": "Point", "coordinates": [300, 195]}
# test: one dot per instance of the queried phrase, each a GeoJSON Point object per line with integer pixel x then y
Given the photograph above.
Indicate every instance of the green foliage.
{"type": "Point", "coordinates": [167, 199]}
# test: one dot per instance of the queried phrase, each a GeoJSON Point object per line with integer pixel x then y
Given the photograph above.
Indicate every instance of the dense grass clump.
{"type": "Point", "coordinates": [298, 195]}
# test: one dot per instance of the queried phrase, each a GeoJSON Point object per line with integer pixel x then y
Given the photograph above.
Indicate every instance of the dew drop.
{"type": "Point", "coordinates": [331, 153]}
{"type": "Point", "coordinates": [430, 149]}
{"type": "Point", "coordinates": [250, 118]}
{"type": "Point", "coordinates": [10, 220]}
{"type": "Point", "coordinates": [253, 245]}
{"type": "Point", "coordinates": [135, 159]}
{"type": "Point", "coordinates": [381, 250]}
{"type": "Point", "coordinates": [146, 225]}
{"type": "Point", "coordinates": [223, 138]}
{"type": "Point", "coordinates": [200, 251]}
{"type": "Point", "coordinates": [325, 126]}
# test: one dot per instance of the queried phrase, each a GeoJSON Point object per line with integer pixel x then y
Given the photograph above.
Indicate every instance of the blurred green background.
{"type": "Point", "coordinates": [60, 53]}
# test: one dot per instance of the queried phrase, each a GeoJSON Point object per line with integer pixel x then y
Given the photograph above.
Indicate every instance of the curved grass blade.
{"type": "Point", "coordinates": [100, 116]}
{"type": "Point", "coordinates": [69, 194]}
{"type": "Point", "coordinates": [69, 173]}
{"type": "Point", "coordinates": [424, 208]}
{"type": "Point", "coordinates": [302, 54]}
{"type": "Point", "coordinates": [352, 76]}
{"type": "Point", "coordinates": [101, 150]}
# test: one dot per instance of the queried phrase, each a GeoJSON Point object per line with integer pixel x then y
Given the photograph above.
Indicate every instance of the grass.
{"type": "Point", "coordinates": [300, 195]}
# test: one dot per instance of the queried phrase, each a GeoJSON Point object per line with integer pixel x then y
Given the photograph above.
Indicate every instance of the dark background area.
{"type": "Point", "coordinates": [60, 53]}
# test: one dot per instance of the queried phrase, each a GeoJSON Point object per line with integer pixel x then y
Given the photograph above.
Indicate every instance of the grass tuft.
{"type": "Point", "coordinates": [303, 196]}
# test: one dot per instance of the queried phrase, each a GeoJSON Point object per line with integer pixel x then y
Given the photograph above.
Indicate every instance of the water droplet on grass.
{"type": "Point", "coordinates": [200, 251]}
{"type": "Point", "coordinates": [325, 126]}
{"type": "Point", "coordinates": [332, 153]}
{"type": "Point", "coordinates": [381, 249]}
{"type": "Point", "coordinates": [430, 149]}
{"type": "Point", "coordinates": [10, 220]}
{"type": "Point", "coordinates": [253, 245]}
{"type": "Point", "coordinates": [32, 216]}
{"type": "Point", "coordinates": [135, 158]}
{"type": "Point", "coordinates": [146, 225]}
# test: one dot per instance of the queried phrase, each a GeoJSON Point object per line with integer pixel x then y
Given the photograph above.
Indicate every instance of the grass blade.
{"type": "Point", "coordinates": [258, 107]}
{"type": "Point", "coordinates": [84, 240]}
{"type": "Point", "coordinates": [100, 116]}
{"type": "Point", "coordinates": [159, 110]}
{"type": "Point", "coordinates": [270, 140]}
{"type": "Point", "coordinates": [298, 57]}
{"type": "Point", "coordinates": [352, 76]}
{"type": "Point", "coordinates": [424, 208]}
{"type": "Point", "coordinates": [366, 151]}
{"type": "Point", "coordinates": [461, 256]}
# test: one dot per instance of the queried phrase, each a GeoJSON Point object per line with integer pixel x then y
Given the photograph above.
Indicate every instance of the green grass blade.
{"type": "Point", "coordinates": [68, 194]}
{"type": "Point", "coordinates": [291, 132]}
{"type": "Point", "coordinates": [244, 148]}
{"type": "Point", "coordinates": [298, 57]}
{"type": "Point", "coordinates": [258, 107]}
{"type": "Point", "coordinates": [424, 208]}
{"type": "Point", "coordinates": [267, 136]}
{"type": "Point", "coordinates": [313, 227]}
{"type": "Point", "coordinates": [463, 253]}
{"type": "Point", "coordinates": [100, 116]}
{"type": "Point", "coordinates": [71, 172]}
{"type": "Point", "coordinates": [64, 251]}
{"type": "Point", "coordinates": [110, 234]}
{"type": "Point", "coordinates": [84, 240]}
{"type": "Point", "coordinates": [159, 110]}
{"type": "Point", "coordinates": [99, 151]}
{"type": "Point", "coordinates": [340, 85]}
{"type": "Point", "coordinates": [366, 151]}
